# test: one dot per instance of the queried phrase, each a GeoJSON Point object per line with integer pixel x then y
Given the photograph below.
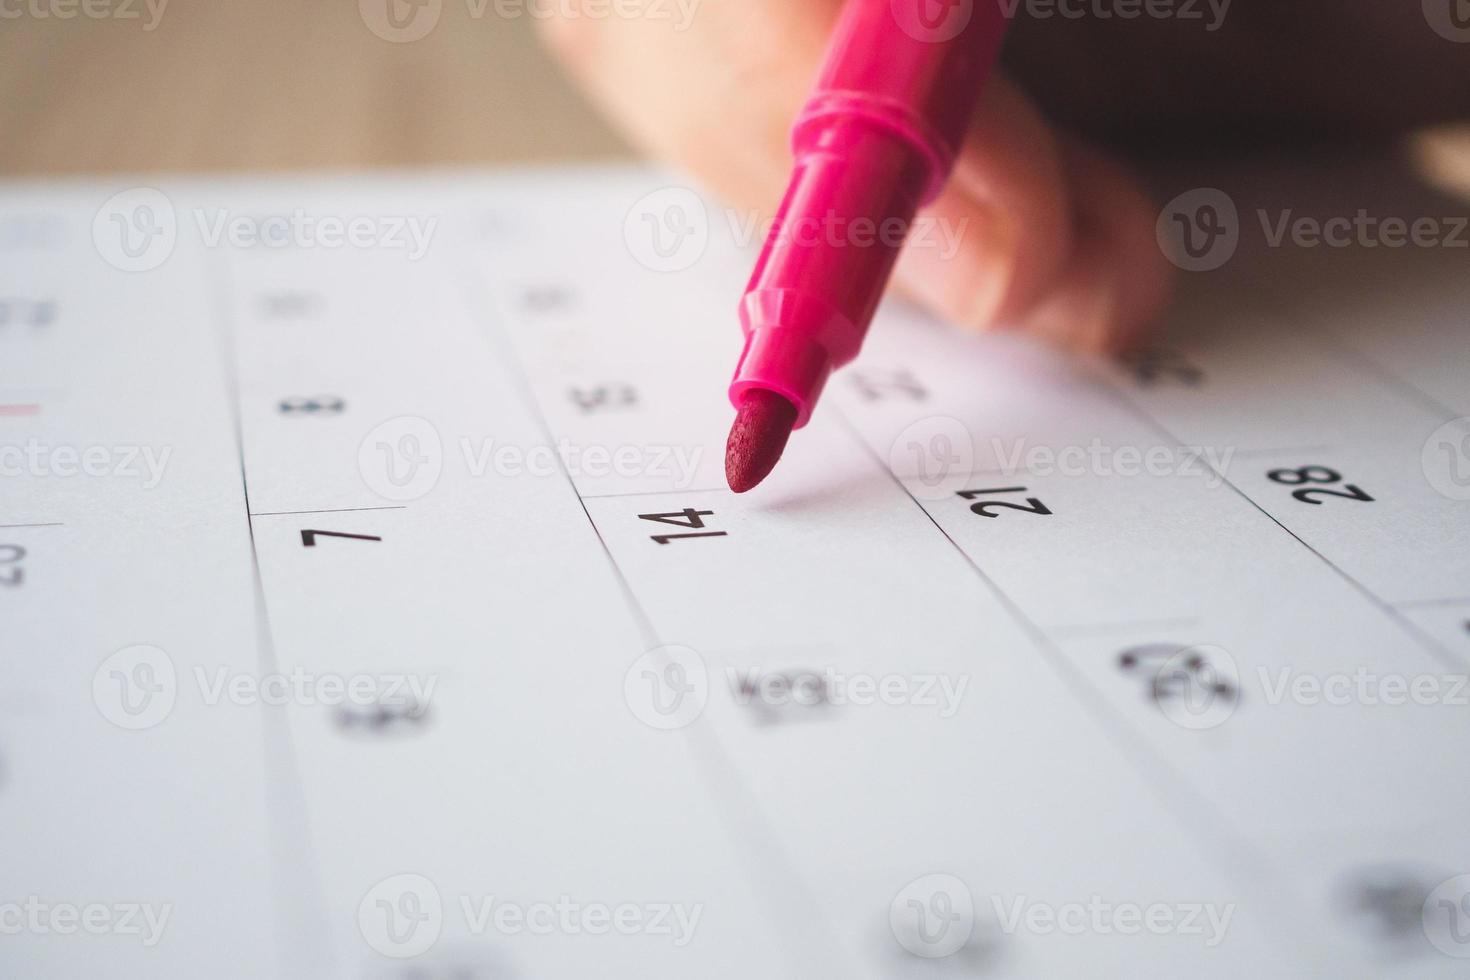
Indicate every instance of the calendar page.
{"type": "Point", "coordinates": [375, 607]}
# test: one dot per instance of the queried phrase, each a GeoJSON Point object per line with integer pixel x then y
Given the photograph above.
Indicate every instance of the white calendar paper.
{"type": "Point", "coordinates": [374, 605]}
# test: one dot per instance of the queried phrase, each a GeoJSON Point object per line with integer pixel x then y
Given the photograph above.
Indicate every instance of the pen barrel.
{"type": "Point", "coordinates": [827, 259]}
{"type": "Point", "coordinates": [875, 142]}
{"type": "Point", "coordinates": [914, 66]}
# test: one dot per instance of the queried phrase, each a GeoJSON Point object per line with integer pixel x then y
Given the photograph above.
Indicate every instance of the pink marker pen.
{"type": "Point", "coordinates": [876, 141]}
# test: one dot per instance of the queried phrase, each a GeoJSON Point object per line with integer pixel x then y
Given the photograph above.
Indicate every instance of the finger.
{"type": "Point", "coordinates": [1005, 217]}
{"type": "Point", "coordinates": [1116, 283]}
{"type": "Point", "coordinates": [717, 100]}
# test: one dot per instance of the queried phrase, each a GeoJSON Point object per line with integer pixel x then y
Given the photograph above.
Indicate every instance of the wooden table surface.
{"type": "Point", "coordinates": [293, 84]}
{"type": "Point", "coordinates": [279, 84]}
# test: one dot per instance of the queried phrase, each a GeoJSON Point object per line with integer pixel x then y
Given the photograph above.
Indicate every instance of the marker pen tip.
{"type": "Point", "coordinates": [762, 425]}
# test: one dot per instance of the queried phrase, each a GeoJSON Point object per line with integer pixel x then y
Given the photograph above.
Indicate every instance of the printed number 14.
{"type": "Point", "coordinates": [688, 517]}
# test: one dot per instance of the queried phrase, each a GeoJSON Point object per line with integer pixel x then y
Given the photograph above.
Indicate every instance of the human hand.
{"type": "Point", "coordinates": [1055, 236]}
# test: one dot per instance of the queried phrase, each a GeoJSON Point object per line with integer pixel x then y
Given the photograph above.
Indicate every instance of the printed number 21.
{"type": "Point", "coordinates": [984, 507]}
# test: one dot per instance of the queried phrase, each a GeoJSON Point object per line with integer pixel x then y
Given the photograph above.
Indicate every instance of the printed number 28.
{"type": "Point", "coordinates": [1317, 474]}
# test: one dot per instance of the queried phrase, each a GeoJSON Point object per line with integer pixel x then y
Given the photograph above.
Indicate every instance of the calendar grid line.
{"type": "Point", "coordinates": [1173, 786]}
{"type": "Point", "coordinates": [1348, 352]}
{"type": "Point", "coordinates": [740, 803]}
{"type": "Point", "coordinates": [1286, 451]}
{"type": "Point", "coordinates": [1445, 601]}
{"type": "Point", "coordinates": [281, 762]}
{"type": "Point", "coordinates": [1083, 629]}
{"type": "Point", "coordinates": [506, 353]}
{"type": "Point", "coordinates": [327, 510]}
{"type": "Point", "coordinates": [651, 493]}
{"type": "Point", "coordinates": [1427, 642]}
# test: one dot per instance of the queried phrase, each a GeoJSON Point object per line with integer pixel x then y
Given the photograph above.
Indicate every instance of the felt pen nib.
{"type": "Point", "coordinates": [758, 437]}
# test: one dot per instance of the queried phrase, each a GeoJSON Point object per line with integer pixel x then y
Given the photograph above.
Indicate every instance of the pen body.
{"type": "Point", "coordinates": [875, 141]}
